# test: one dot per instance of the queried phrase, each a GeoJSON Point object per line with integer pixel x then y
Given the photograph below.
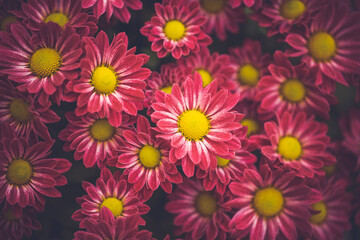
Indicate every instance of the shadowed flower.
{"type": "Point", "coordinates": [248, 3]}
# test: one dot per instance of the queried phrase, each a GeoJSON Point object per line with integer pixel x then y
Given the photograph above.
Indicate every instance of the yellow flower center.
{"type": "Point", "coordinates": [104, 80]}
{"type": "Point", "coordinates": [19, 172]}
{"type": "Point", "coordinates": [174, 30]}
{"type": "Point", "coordinates": [293, 90]}
{"type": "Point", "coordinates": [167, 89]}
{"type": "Point", "coordinates": [289, 148]}
{"type": "Point", "coordinates": [193, 125]}
{"type": "Point", "coordinates": [101, 130]}
{"type": "Point", "coordinates": [222, 162]}
{"type": "Point", "coordinates": [149, 156]}
{"type": "Point", "coordinates": [205, 76]}
{"type": "Point", "coordinates": [45, 62]}
{"type": "Point", "coordinates": [321, 216]}
{"type": "Point", "coordinates": [248, 75]}
{"type": "Point", "coordinates": [9, 215]}
{"type": "Point", "coordinates": [212, 6]}
{"type": "Point", "coordinates": [251, 124]}
{"type": "Point", "coordinates": [205, 204]}
{"type": "Point", "coordinates": [322, 46]}
{"type": "Point", "coordinates": [19, 110]}
{"type": "Point", "coordinates": [292, 9]}
{"type": "Point", "coordinates": [6, 21]}
{"type": "Point", "coordinates": [58, 18]}
{"type": "Point", "coordinates": [268, 202]}
{"type": "Point", "coordinates": [114, 205]}
{"type": "Point", "coordinates": [329, 170]}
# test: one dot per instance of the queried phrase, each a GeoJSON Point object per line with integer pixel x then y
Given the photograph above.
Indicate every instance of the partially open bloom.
{"type": "Point", "coordinates": [176, 29]}
{"type": "Point", "coordinates": [112, 78]}
{"type": "Point", "coordinates": [112, 192]}
{"type": "Point", "coordinates": [199, 213]}
{"type": "Point", "coordinates": [299, 144]}
{"type": "Point", "coordinates": [93, 138]}
{"type": "Point", "coordinates": [271, 204]}
{"type": "Point", "coordinates": [27, 173]}
{"type": "Point", "coordinates": [331, 45]}
{"type": "Point", "coordinates": [40, 63]}
{"type": "Point", "coordinates": [198, 123]}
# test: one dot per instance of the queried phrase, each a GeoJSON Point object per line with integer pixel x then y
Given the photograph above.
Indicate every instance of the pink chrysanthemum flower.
{"type": "Point", "coordinates": [62, 12]}
{"type": "Point", "coordinates": [332, 216]}
{"type": "Point", "coordinates": [118, 8]}
{"type": "Point", "coordinates": [291, 88]}
{"type": "Point", "coordinates": [199, 213]}
{"type": "Point", "coordinates": [281, 15]}
{"type": "Point", "coordinates": [299, 144]}
{"type": "Point", "coordinates": [23, 113]}
{"type": "Point", "coordinates": [221, 17]}
{"type": "Point", "coordinates": [210, 67]}
{"type": "Point", "coordinates": [40, 63]}
{"type": "Point", "coordinates": [351, 131]}
{"type": "Point", "coordinates": [6, 17]}
{"type": "Point", "coordinates": [249, 64]}
{"type": "Point", "coordinates": [112, 192]}
{"type": "Point", "coordinates": [248, 3]}
{"type": "Point", "coordinates": [198, 122]}
{"type": "Point", "coordinates": [270, 204]}
{"type": "Point", "coordinates": [176, 28]}
{"type": "Point", "coordinates": [145, 159]}
{"type": "Point", "coordinates": [15, 222]}
{"type": "Point", "coordinates": [93, 138]}
{"type": "Point", "coordinates": [27, 173]}
{"type": "Point", "coordinates": [331, 45]}
{"type": "Point", "coordinates": [112, 78]}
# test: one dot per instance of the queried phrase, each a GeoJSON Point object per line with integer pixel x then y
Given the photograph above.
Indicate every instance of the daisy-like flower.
{"type": "Point", "coordinates": [112, 192]}
{"type": "Point", "coordinates": [299, 144]}
{"type": "Point", "coordinates": [27, 173]}
{"type": "Point", "coordinates": [93, 138]}
{"type": "Point", "coordinates": [331, 44]}
{"type": "Point", "coordinates": [40, 63]}
{"type": "Point", "coordinates": [292, 89]}
{"type": "Point", "coordinates": [198, 122]}
{"type": "Point", "coordinates": [221, 17]}
{"type": "Point", "coordinates": [270, 204]}
{"type": "Point", "coordinates": [249, 64]}
{"type": "Point", "coordinates": [63, 12]}
{"type": "Point", "coordinates": [112, 79]}
{"type": "Point", "coordinates": [332, 216]}
{"type": "Point", "coordinates": [210, 67]}
{"type": "Point", "coordinates": [118, 8]}
{"type": "Point", "coordinates": [15, 222]}
{"type": "Point", "coordinates": [145, 159]}
{"type": "Point", "coordinates": [350, 128]}
{"type": "Point", "coordinates": [7, 18]}
{"type": "Point", "coordinates": [176, 28]}
{"type": "Point", "coordinates": [199, 213]}
{"type": "Point", "coordinates": [281, 15]}
{"type": "Point", "coordinates": [23, 113]}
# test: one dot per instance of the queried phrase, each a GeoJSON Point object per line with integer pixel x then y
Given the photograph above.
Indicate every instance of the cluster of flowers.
{"type": "Point", "coordinates": [239, 136]}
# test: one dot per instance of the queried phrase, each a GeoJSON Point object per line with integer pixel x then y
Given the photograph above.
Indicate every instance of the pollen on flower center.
{"type": "Point", "coordinates": [268, 202]}
{"type": "Point", "coordinates": [289, 148]}
{"type": "Point", "coordinates": [293, 90]}
{"type": "Point", "coordinates": [248, 75]}
{"type": "Point", "coordinates": [205, 76]}
{"type": "Point", "coordinates": [193, 125]}
{"type": "Point", "coordinates": [322, 46]}
{"type": "Point", "coordinates": [251, 124]}
{"type": "Point", "coordinates": [292, 9]}
{"type": "Point", "coordinates": [205, 204]}
{"type": "Point", "coordinates": [222, 162]}
{"type": "Point", "coordinates": [167, 89]}
{"type": "Point", "coordinates": [149, 156]}
{"type": "Point", "coordinates": [19, 172]}
{"type": "Point", "coordinates": [212, 6]}
{"type": "Point", "coordinates": [45, 62]}
{"type": "Point", "coordinates": [58, 18]}
{"type": "Point", "coordinates": [104, 80]}
{"type": "Point", "coordinates": [114, 205]}
{"type": "Point", "coordinates": [174, 30]}
{"type": "Point", "coordinates": [320, 217]}
{"type": "Point", "coordinates": [19, 110]}
{"type": "Point", "coordinates": [101, 130]}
